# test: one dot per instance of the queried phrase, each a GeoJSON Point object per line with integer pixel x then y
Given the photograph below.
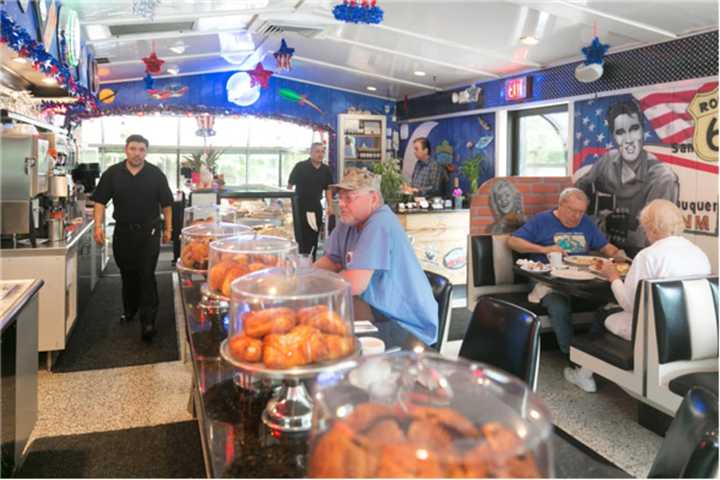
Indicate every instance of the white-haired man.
{"type": "Point", "coordinates": [370, 249]}
{"type": "Point", "coordinates": [568, 230]}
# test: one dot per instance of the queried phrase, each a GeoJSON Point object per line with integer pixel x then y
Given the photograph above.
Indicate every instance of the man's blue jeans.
{"type": "Point", "coordinates": [558, 306]}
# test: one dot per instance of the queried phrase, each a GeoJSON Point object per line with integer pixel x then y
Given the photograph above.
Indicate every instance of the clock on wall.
{"type": "Point", "coordinates": [69, 29]}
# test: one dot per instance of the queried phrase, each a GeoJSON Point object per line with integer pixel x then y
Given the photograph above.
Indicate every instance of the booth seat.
{"type": "Point", "coordinates": [682, 342]}
{"type": "Point", "coordinates": [614, 358]}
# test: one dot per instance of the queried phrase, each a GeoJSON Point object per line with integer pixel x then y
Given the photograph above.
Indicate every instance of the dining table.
{"type": "Point", "coordinates": [234, 440]}
{"type": "Point", "coordinates": [596, 289]}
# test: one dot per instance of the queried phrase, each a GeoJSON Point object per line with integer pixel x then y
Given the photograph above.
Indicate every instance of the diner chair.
{"type": "Point", "coordinates": [682, 345]}
{"type": "Point", "coordinates": [690, 447]}
{"type": "Point", "coordinates": [505, 336]}
{"type": "Point", "coordinates": [442, 291]}
{"type": "Point", "coordinates": [620, 361]}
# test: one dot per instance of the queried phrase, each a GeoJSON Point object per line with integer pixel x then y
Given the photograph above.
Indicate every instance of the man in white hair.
{"type": "Point", "coordinates": [372, 252]}
{"type": "Point", "coordinates": [565, 229]}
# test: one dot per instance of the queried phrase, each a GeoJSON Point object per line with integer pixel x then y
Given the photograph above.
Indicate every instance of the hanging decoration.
{"type": "Point", "coordinates": [107, 96]}
{"type": "Point", "coordinates": [259, 76]}
{"type": "Point", "coordinates": [149, 81]}
{"type": "Point", "coordinates": [174, 90]}
{"type": "Point", "coordinates": [358, 11]}
{"type": "Point", "coordinates": [19, 40]}
{"type": "Point", "coordinates": [293, 96]}
{"type": "Point", "coordinates": [283, 57]}
{"type": "Point", "coordinates": [153, 64]}
{"type": "Point", "coordinates": [592, 68]}
{"type": "Point", "coordinates": [205, 125]}
{"type": "Point", "coordinates": [145, 8]}
{"type": "Point", "coordinates": [241, 91]}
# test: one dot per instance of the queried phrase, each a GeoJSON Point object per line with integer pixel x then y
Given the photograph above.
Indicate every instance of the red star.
{"type": "Point", "coordinates": [259, 76]}
{"type": "Point", "coordinates": [153, 64]}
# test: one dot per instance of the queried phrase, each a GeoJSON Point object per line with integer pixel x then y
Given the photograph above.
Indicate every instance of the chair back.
{"type": "Point", "coordinates": [442, 291]}
{"type": "Point", "coordinates": [506, 336]}
{"type": "Point", "coordinates": [690, 447]}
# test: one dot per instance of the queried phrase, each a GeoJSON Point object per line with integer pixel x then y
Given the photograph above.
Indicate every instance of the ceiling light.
{"type": "Point", "coordinates": [229, 22]}
{"type": "Point", "coordinates": [370, 88]}
{"type": "Point", "coordinates": [20, 60]}
{"type": "Point", "coordinates": [49, 81]}
{"type": "Point", "coordinates": [97, 32]}
{"type": "Point", "coordinates": [419, 73]}
{"type": "Point", "coordinates": [103, 71]}
{"type": "Point", "coordinates": [178, 48]}
{"type": "Point", "coordinates": [529, 40]}
{"type": "Point", "coordinates": [173, 69]}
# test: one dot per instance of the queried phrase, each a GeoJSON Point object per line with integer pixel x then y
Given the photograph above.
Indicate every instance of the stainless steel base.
{"type": "Point", "coordinates": [290, 410]}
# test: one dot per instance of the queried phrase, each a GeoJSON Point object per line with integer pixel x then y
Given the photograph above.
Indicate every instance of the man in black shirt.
{"type": "Point", "coordinates": [138, 190]}
{"type": "Point", "coordinates": [311, 177]}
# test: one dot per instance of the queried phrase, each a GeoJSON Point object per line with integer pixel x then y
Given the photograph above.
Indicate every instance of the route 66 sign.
{"type": "Point", "coordinates": [704, 108]}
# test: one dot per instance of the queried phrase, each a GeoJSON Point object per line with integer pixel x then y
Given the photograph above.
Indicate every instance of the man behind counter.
{"type": "Point", "coordinates": [138, 190]}
{"type": "Point", "coordinates": [427, 176]}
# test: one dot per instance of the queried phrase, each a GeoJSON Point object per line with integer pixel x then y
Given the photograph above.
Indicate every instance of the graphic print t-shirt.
{"type": "Point", "coordinates": [545, 229]}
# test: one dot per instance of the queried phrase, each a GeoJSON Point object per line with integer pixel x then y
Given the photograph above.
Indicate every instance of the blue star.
{"type": "Point", "coordinates": [595, 52]}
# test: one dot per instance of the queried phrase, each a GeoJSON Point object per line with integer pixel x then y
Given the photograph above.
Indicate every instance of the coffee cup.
{"type": "Point", "coordinates": [556, 260]}
{"type": "Point", "coordinates": [371, 345]}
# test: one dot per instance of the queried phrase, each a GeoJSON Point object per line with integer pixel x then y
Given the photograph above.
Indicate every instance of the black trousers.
{"type": "Point", "coordinates": [309, 237]}
{"type": "Point", "coordinates": [136, 255]}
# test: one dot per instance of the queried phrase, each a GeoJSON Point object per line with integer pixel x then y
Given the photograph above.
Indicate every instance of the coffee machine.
{"type": "Point", "coordinates": [25, 165]}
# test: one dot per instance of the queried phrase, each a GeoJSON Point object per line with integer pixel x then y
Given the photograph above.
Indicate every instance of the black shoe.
{"type": "Point", "coordinates": [127, 317]}
{"type": "Point", "coordinates": [148, 332]}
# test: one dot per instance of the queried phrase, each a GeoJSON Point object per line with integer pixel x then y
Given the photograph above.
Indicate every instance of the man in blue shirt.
{"type": "Point", "coordinates": [372, 252]}
{"type": "Point", "coordinates": [569, 231]}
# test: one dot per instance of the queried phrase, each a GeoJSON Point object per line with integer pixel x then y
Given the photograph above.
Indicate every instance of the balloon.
{"type": "Point", "coordinates": [106, 95]}
{"type": "Point", "coordinates": [240, 90]}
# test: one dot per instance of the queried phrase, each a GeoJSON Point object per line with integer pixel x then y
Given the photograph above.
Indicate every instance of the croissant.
{"type": "Point", "coordinates": [302, 345]}
{"type": "Point", "coordinates": [231, 274]}
{"type": "Point", "coordinates": [273, 320]}
{"type": "Point", "coordinates": [320, 316]}
{"type": "Point", "coordinates": [255, 266]}
{"type": "Point", "coordinates": [338, 346]}
{"type": "Point", "coordinates": [217, 275]}
{"type": "Point", "coordinates": [246, 348]}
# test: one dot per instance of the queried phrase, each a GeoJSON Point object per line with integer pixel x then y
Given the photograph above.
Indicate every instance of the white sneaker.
{"type": "Point", "coordinates": [581, 377]}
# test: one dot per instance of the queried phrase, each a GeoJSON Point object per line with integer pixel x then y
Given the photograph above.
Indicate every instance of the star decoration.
{"type": "Point", "coordinates": [259, 76]}
{"type": "Point", "coordinates": [283, 56]}
{"type": "Point", "coordinates": [153, 64]}
{"type": "Point", "coordinates": [595, 52]}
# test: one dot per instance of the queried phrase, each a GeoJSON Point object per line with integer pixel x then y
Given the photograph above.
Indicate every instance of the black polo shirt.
{"type": "Point", "coordinates": [310, 183]}
{"type": "Point", "coordinates": [136, 198]}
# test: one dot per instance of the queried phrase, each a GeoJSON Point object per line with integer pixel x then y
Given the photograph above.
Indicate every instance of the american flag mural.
{"type": "Point", "coordinates": [679, 129]}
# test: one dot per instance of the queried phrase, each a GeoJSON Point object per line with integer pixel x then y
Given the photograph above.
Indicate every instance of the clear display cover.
{"type": "Point", "coordinates": [210, 214]}
{"type": "Point", "coordinates": [196, 239]}
{"type": "Point", "coordinates": [282, 318]}
{"type": "Point", "coordinates": [413, 414]}
{"type": "Point", "coordinates": [234, 257]}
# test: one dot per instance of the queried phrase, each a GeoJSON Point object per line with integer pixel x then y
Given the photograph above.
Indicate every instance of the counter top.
{"type": "Point", "coordinates": [19, 292]}
{"type": "Point", "coordinates": [420, 211]}
{"type": "Point", "coordinates": [48, 249]}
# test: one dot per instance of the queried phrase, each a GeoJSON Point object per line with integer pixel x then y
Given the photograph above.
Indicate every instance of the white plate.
{"type": "Point", "coordinates": [571, 274]}
{"type": "Point", "coordinates": [546, 268]}
{"type": "Point", "coordinates": [581, 260]}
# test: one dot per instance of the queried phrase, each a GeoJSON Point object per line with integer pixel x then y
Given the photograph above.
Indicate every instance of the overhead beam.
{"type": "Point", "coordinates": [135, 19]}
{"type": "Point", "coordinates": [619, 19]}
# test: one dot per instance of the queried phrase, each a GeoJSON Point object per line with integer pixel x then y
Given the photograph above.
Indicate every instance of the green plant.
{"type": "Point", "coordinates": [472, 169]}
{"type": "Point", "coordinates": [392, 180]}
{"type": "Point", "coordinates": [208, 158]}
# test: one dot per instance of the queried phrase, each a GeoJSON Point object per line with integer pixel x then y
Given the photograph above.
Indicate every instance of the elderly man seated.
{"type": "Point", "coordinates": [567, 230]}
{"type": "Point", "coordinates": [371, 250]}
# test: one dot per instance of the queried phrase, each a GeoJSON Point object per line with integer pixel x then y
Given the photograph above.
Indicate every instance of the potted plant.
{"type": "Point", "coordinates": [208, 158]}
{"type": "Point", "coordinates": [392, 180]}
{"type": "Point", "coordinates": [472, 169]}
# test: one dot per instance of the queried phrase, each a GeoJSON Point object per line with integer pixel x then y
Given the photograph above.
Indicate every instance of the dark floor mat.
{"type": "Point", "coordinates": [164, 264]}
{"type": "Point", "coordinates": [586, 463]}
{"type": "Point", "coordinates": [100, 340]}
{"type": "Point", "coordinates": [164, 451]}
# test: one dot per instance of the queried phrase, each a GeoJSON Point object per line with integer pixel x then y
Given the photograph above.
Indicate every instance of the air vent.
{"type": "Point", "coordinates": [276, 28]}
{"type": "Point", "coordinates": [102, 60]}
{"type": "Point", "coordinates": [138, 28]}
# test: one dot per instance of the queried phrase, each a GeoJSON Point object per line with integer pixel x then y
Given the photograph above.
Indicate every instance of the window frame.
{"type": "Point", "coordinates": [514, 117]}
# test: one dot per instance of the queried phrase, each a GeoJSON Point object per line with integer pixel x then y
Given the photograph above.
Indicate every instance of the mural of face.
{"type": "Point", "coordinates": [628, 135]}
{"type": "Point", "coordinates": [503, 195]}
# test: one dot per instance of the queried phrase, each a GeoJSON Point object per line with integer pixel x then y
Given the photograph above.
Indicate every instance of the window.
{"type": "Point", "coordinates": [539, 142]}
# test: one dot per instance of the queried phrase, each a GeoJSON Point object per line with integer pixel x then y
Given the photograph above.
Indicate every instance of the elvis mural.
{"type": "Point", "coordinates": [659, 142]}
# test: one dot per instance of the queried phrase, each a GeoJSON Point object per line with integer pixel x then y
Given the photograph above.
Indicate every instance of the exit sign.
{"type": "Point", "coordinates": [518, 88]}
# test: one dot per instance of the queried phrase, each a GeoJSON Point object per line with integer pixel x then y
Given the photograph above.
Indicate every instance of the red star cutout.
{"type": "Point", "coordinates": [259, 76]}
{"type": "Point", "coordinates": [153, 64]}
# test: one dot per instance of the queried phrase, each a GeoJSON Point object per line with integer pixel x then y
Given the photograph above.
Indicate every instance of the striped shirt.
{"type": "Point", "coordinates": [426, 177]}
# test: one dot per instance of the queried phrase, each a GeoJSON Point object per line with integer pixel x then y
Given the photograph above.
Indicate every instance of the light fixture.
{"type": "Point", "coordinates": [419, 73]}
{"type": "Point", "coordinates": [97, 32]}
{"type": "Point", "coordinates": [103, 71]}
{"type": "Point", "coordinates": [49, 81]}
{"type": "Point", "coordinates": [178, 48]}
{"type": "Point", "coordinates": [370, 88]}
{"type": "Point", "coordinates": [235, 46]}
{"type": "Point", "coordinates": [20, 60]}
{"type": "Point", "coordinates": [529, 40]}
{"type": "Point", "coordinates": [532, 25]}
{"type": "Point", "coordinates": [173, 69]}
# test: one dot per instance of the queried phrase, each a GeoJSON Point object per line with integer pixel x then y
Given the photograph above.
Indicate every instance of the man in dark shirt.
{"type": "Point", "coordinates": [138, 190]}
{"type": "Point", "coordinates": [428, 175]}
{"type": "Point", "coordinates": [311, 178]}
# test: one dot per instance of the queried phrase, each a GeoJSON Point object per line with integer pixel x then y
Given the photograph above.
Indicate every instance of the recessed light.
{"type": "Point", "coordinates": [20, 60]}
{"type": "Point", "coordinates": [419, 73]}
{"type": "Point", "coordinates": [49, 81]}
{"type": "Point", "coordinates": [529, 40]}
{"type": "Point", "coordinates": [370, 88]}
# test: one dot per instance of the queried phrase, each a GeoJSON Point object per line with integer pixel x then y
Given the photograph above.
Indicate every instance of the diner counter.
{"type": "Point", "coordinates": [48, 248]}
{"type": "Point", "coordinates": [19, 293]}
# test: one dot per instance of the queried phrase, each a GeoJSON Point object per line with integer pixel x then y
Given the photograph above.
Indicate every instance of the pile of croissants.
{"type": "Point", "coordinates": [283, 338]}
{"type": "Point", "coordinates": [233, 266]}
